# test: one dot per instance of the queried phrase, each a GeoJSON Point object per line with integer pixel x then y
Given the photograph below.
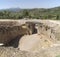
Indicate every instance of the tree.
{"type": "Point", "coordinates": [57, 17]}
{"type": "Point", "coordinates": [25, 13]}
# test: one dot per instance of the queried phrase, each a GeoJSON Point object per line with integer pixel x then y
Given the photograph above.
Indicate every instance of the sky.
{"type": "Point", "coordinates": [29, 3]}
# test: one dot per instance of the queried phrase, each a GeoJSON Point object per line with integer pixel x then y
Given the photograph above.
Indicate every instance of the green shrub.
{"type": "Point", "coordinates": [58, 56]}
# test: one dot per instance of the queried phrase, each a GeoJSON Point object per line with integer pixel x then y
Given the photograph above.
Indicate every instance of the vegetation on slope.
{"type": "Point", "coordinates": [52, 13]}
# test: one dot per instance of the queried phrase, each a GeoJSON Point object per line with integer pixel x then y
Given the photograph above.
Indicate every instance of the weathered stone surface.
{"type": "Point", "coordinates": [35, 42]}
{"type": "Point", "coordinates": [10, 30]}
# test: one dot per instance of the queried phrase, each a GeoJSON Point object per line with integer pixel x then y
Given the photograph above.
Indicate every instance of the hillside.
{"type": "Point", "coordinates": [38, 13]}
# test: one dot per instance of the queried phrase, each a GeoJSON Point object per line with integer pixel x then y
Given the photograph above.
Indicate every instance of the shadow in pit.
{"type": "Point", "coordinates": [34, 31]}
{"type": "Point", "coordinates": [14, 43]}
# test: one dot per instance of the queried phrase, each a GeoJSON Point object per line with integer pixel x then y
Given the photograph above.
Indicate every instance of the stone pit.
{"type": "Point", "coordinates": [29, 35]}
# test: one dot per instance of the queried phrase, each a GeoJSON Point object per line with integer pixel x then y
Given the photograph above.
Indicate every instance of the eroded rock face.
{"type": "Point", "coordinates": [44, 41]}
{"type": "Point", "coordinates": [50, 28]}
{"type": "Point", "coordinates": [10, 30]}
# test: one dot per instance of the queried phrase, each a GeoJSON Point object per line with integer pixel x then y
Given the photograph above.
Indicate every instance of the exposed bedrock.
{"type": "Point", "coordinates": [29, 38]}
{"type": "Point", "coordinates": [47, 28]}
{"type": "Point", "coordinates": [11, 29]}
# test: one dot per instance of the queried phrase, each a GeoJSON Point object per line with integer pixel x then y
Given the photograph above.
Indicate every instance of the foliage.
{"type": "Point", "coordinates": [58, 56]}
{"type": "Point", "coordinates": [53, 13]}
